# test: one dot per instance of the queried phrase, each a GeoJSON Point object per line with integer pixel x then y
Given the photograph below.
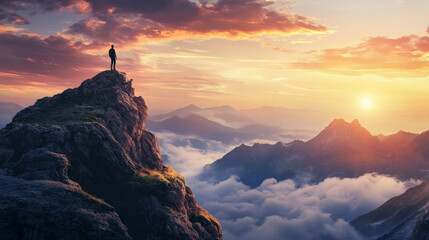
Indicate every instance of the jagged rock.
{"type": "Point", "coordinates": [81, 165]}
{"type": "Point", "coordinates": [53, 210]}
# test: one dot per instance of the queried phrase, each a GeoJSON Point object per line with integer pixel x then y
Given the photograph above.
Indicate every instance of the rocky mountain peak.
{"type": "Point", "coordinates": [341, 127]}
{"type": "Point", "coordinates": [223, 108]}
{"type": "Point", "coordinates": [356, 123]}
{"type": "Point", "coordinates": [191, 107]}
{"type": "Point", "coordinates": [93, 100]}
{"type": "Point", "coordinates": [340, 133]}
{"type": "Point", "coordinates": [337, 122]}
{"type": "Point", "coordinates": [85, 152]}
{"type": "Point", "coordinates": [107, 99]}
{"type": "Point", "coordinates": [341, 123]}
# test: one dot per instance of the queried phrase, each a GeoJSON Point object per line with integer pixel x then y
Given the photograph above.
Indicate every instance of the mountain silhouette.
{"type": "Point", "coordinates": [342, 149]}
{"type": "Point", "coordinates": [181, 112]}
{"type": "Point", "coordinates": [339, 133]}
{"type": "Point", "coordinates": [298, 120]}
{"type": "Point", "coordinates": [81, 165]}
{"type": "Point", "coordinates": [397, 142]}
{"type": "Point", "coordinates": [222, 109]}
{"type": "Point", "coordinates": [402, 217]}
{"type": "Point", "coordinates": [224, 115]}
{"type": "Point", "coordinates": [197, 125]}
{"type": "Point", "coordinates": [7, 111]}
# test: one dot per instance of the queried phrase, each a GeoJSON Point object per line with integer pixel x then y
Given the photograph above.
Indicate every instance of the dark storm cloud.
{"type": "Point", "coordinates": [167, 17]}
{"type": "Point", "coordinates": [115, 29]}
{"type": "Point", "coordinates": [170, 12]}
{"type": "Point", "coordinates": [11, 17]}
{"type": "Point", "coordinates": [48, 5]}
{"type": "Point", "coordinates": [126, 20]}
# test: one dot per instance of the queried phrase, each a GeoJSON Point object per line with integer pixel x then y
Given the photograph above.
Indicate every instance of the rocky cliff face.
{"type": "Point", "coordinates": [81, 165]}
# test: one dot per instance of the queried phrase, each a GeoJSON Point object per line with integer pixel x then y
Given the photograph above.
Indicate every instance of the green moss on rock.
{"type": "Point", "coordinates": [62, 114]}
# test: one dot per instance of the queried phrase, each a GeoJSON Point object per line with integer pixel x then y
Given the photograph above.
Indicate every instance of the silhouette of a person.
{"type": "Point", "coordinates": [112, 55]}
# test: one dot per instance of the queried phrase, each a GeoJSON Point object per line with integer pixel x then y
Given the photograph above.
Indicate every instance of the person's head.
{"type": "Point", "coordinates": [112, 46]}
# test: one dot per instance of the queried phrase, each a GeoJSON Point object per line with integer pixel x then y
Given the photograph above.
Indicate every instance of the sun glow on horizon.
{"type": "Point", "coordinates": [366, 103]}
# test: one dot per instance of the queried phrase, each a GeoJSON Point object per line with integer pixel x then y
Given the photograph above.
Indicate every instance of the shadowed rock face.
{"type": "Point", "coordinates": [81, 165]}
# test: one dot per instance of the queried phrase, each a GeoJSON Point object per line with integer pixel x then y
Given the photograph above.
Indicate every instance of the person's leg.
{"type": "Point", "coordinates": [111, 64]}
{"type": "Point", "coordinates": [114, 64]}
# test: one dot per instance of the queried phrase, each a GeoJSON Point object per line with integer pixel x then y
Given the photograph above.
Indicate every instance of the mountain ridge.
{"type": "Point", "coordinates": [341, 149]}
{"type": "Point", "coordinates": [88, 148]}
{"type": "Point", "coordinates": [295, 119]}
{"type": "Point", "coordinates": [194, 124]}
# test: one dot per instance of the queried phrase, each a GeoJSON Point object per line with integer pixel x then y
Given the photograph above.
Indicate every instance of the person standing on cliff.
{"type": "Point", "coordinates": [112, 55]}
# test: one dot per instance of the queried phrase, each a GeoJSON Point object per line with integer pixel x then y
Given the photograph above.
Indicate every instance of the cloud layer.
{"type": "Point", "coordinates": [277, 210]}
{"type": "Point", "coordinates": [189, 154]}
{"type": "Point", "coordinates": [280, 210]}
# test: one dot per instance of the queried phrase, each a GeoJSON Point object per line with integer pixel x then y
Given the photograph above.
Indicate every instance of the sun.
{"type": "Point", "coordinates": [366, 102]}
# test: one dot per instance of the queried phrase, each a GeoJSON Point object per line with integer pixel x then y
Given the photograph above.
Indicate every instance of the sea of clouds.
{"type": "Point", "coordinates": [277, 209]}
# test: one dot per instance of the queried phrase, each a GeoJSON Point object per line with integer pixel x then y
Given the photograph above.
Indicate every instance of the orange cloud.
{"type": "Point", "coordinates": [78, 6]}
{"type": "Point", "coordinates": [407, 56]}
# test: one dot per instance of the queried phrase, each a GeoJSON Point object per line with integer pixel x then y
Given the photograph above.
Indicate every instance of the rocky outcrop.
{"type": "Point", "coordinates": [81, 165]}
{"type": "Point", "coordinates": [398, 217]}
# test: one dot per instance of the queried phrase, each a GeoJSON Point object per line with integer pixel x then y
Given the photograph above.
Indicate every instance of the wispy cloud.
{"type": "Point", "coordinates": [189, 154]}
{"type": "Point", "coordinates": [406, 56]}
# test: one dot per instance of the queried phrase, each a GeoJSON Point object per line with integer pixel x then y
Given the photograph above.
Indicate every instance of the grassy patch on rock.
{"type": "Point", "coordinates": [202, 216]}
{"type": "Point", "coordinates": [151, 179]}
{"type": "Point", "coordinates": [62, 114]}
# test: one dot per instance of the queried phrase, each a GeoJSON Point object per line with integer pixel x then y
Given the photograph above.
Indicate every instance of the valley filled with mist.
{"type": "Point", "coordinates": [239, 175]}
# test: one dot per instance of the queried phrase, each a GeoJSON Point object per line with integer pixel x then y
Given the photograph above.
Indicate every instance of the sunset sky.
{"type": "Point", "coordinates": [366, 59]}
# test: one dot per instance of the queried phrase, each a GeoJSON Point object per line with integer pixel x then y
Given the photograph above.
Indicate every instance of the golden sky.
{"type": "Point", "coordinates": [354, 59]}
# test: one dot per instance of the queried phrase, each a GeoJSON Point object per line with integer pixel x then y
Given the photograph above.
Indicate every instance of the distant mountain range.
{"type": "Point", "coordinates": [226, 124]}
{"type": "Point", "coordinates": [224, 115]}
{"type": "Point", "coordinates": [197, 125]}
{"type": "Point", "coordinates": [7, 111]}
{"type": "Point", "coordinates": [342, 149]}
{"type": "Point", "coordinates": [287, 118]}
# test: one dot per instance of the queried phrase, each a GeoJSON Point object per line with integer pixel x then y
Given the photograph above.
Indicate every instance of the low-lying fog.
{"type": "Point", "coordinates": [277, 210]}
